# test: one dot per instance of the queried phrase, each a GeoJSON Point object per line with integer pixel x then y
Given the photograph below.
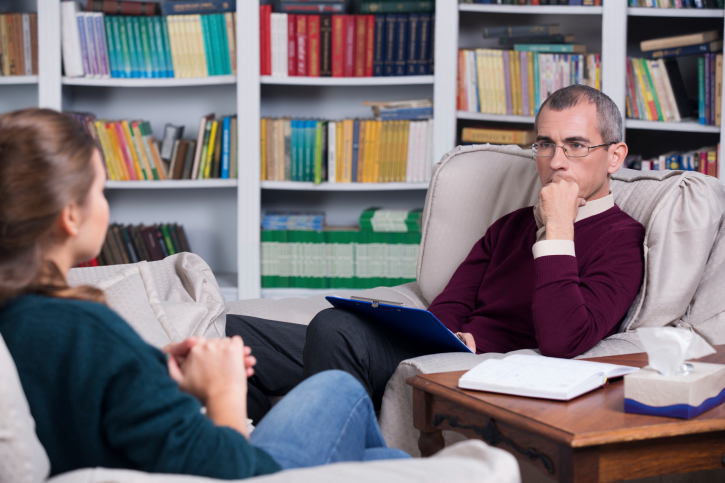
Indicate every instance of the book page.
{"type": "Point", "coordinates": [533, 379]}
{"type": "Point", "coordinates": [610, 370]}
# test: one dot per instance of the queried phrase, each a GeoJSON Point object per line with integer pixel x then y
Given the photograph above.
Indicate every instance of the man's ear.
{"type": "Point", "coordinates": [616, 157]}
{"type": "Point", "coordinates": [69, 220]}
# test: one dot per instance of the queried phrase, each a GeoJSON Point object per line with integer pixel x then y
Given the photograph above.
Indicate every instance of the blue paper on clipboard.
{"type": "Point", "coordinates": [417, 325]}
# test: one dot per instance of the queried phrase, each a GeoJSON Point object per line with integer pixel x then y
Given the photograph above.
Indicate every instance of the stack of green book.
{"type": "Point", "coordinates": [379, 220]}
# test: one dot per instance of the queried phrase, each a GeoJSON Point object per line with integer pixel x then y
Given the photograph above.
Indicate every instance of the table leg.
{"type": "Point", "coordinates": [431, 442]}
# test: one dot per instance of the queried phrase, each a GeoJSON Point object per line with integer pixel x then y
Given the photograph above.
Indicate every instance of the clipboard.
{"type": "Point", "coordinates": [417, 325]}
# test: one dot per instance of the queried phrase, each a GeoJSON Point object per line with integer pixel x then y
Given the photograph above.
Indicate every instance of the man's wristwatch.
{"type": "Point", "coordinates": [460, 337]}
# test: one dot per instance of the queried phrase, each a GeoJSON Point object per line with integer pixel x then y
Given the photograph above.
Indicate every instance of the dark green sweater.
{"type": "Point", "coordinates": [101, 396]}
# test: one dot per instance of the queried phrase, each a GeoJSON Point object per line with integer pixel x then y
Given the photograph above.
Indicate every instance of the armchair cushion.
{"type": "Point", "coordinates": [22, 457]}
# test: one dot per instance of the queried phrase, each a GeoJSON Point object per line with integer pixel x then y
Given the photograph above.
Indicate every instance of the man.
{"type": "Point", "coordinates": [558, 277]}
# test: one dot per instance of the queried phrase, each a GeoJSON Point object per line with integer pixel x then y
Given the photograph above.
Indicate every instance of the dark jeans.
{"type": "Point", "coordinates": [335, 339]}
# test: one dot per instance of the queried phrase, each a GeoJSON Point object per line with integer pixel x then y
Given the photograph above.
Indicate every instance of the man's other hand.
{"type": "Point", "coordinates": [560, 202]}
{"type": "Point", "coordinates": [469, 341]}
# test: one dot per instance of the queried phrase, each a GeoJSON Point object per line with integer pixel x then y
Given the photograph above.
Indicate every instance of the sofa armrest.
{"type": "Point", "coordinates": [302, 310]}
{"type": "Point", "coordinates": [469, 461]}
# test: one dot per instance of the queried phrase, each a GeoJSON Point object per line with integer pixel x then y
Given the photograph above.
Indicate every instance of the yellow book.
{"type": "Point", "coordinates": [347, 127]}
{"type": "Point", "coordinates": [519, 111]}
{"type": "Point", "coordinates": [513, 72]}
{"type": "Point", "coordinates": [263, 149]}
{"type": "Point", "coordinates": [124, 138]}
{"type": "Point", "coordinates": [532, 100]}
{"type": "Point", "coordinates": [501, 79]}
{"type": "Point", "coordinates": [181, 35]}
{"type": "Point", "coordinates": [361, 151]}
{"type": "Point", "coordinates": [382, 140]}
{"type": "Point", "coordinates": [143, 154]}
{"type": "Point", "coordinates": [644, 84]}
{"type": "Point", "coordinates": [188, 36]}
{"type": "Point", "coordinates": [230, 22]}
{"type": "Point", "coordinates": [174, 45]}
{"type": "Point", "coordinates": [339, 155]}
{"type": "Point", "coordinates": [490, 81]}
{"type": "Point", "coordinates": [370, 153]}
{"type": "Point", "coordinates": [403, 150]}
{"type": "Point", "coordinates": [108, 156]}
{"type": "Point", "coordinates": [153, 148]}
{"type": "Point", "coordinates": [210, 151]}
{"type": "Point", "coordinates": [389, 152]}
{"type": "Point", "coordinates": [480, 56]}
{"type": "Point", "coordinates": [395, 158]}
{"type": "Point", "coordinates": [201, 63]}
{"type": "Point", "coordinates": [522, 137]}
{"type": "Point", "coordinates": [116, 145]}
{"type": "Point", "coordinates": [133, 150]}
{"type": "Point", "coordinates": [271, 173]}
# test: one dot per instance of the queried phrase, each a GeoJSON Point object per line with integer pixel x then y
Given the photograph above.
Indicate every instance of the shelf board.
{"type": "Point", "coordinates": [348, 81]}
{"type": "Point", "coordinates": [173, 183]}
{"type": "Point", "coordinates": [308, 186]}
{"type": "Point", "coordinates": [685, 126]}
{"type": "Point", "coordinates": [142, 82]}
{"type": "Point", "coordinates": [18, 79]}
{"type": "Point", "coordinates": [478, 116]}
{"type": "Point", "coordinates": [531, 9]}
{"type": "Point", "coordinates": [674, 12]}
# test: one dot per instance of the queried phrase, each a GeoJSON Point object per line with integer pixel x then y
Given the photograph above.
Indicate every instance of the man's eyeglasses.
{"type": "Point", "coordinates": [546, 149]}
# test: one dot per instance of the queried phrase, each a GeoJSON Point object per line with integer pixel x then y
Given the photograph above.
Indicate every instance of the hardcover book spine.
{"type": "Point", "coordinates": [224, 44]}
{"type": "Point", "coordinates": [349, 65]}
{"type": "Point", "coordinates": [397, 7]}
{"type": "Point", "coordinates": [338, 45]}
{"type": "Point", "coordinates": [355, 150]}
{"type": "Point", "coordinates": [149, 70]}
{"type": "Point", "coordinates": [157, 62]}
{"type": "Point", "coordinates": [291, 45]}
{"type": "Point", "coordinates": [80, 18]}
{"type": "Point", "coordinates": [313, 32]}
{"type": "Point", "coordinates": [401, 48]}
{"type": "Point", "coordinates": [186, 7]}
{"type": "Point", "coordinates": [302, 61]}
{"type": "Point", "coordinates": [369, 45]}
{"type": "Point", "coordinates": [325, 45]}
{"type": "Point", "coordinates": [229, 21]}
{"type": "Point", "coordinates": [413, 44]}
{"type": "Point", "coordinates": [102, 42]}
{"type": "Point", "coordinates": [391, 43]}
{"type": "Point", "coordinates": [265, 39]}
{"type": "Point", "coordinates": [33, 42]}
{"type": "Point", "coordinates": [167, 47]}
{"type": "Point", "coordinates": [27, 52]}
{"type": "Point", "coordinates": [701, 89]}
{"type": "Point", "coordinates": [430, 52]}
{"type": "Point", "coordinates": [380, 46]}
{"type": "Point", "coordinates": [360, 28]}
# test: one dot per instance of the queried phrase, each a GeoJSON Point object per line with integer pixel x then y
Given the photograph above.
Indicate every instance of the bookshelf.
{"type": "Point", "coordinates": [222, 217]}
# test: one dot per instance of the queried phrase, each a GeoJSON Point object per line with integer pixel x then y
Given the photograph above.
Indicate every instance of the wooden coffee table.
{"type": "Point", "coordinates": [588, 439]}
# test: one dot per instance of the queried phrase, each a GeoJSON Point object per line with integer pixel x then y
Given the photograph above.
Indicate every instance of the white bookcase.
{"type": "Point", "coordinates": [222, 217]}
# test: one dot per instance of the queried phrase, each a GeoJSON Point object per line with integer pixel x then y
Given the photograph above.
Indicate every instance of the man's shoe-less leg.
{"type": "Point", "coordinates": [328, 418]}
{"type": "Point", "coordinates": [278, 348]}
{"type": "Point", "coordinates": [344, 340]}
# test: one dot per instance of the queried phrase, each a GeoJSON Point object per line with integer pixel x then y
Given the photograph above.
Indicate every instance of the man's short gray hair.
{"type": "Point", "coordinates": [610, 119]}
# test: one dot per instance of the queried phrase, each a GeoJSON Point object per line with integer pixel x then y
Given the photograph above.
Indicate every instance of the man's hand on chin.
{"type": "Point", "coordinates": [560, 202]}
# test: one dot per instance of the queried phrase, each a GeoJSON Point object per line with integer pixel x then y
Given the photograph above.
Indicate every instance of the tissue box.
{"type": "Point", "coordinates": [649, 392]}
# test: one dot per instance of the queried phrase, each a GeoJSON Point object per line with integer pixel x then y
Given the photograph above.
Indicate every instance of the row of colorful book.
{"type": "Point", "coordinates": [703, 160]}
{"type": "Point", "coordinates": [134, 243]}
{"type": "Point", "coordinates": [656, 90]}
{"type": "Point", "coordinates": [101, 46]}
{"type": "Point", "coordinates": [168, 7]}
{"type": "Point", "coordinates": [18, 44]}
{"type": "Point", "coordinates": [510, 82]}
{"type": "Point", "coordinates": [582, 3]}
{"type": "Point", "coordinates": [347, 151]}
{"type": "Point", "coordinates": [677, 3]}
{"type": "Point", "coordinates": [129, 148]}
{"type": "Point", "coordinates": [345, 45]}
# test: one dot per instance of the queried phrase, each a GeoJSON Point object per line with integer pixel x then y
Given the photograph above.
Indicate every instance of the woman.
{"type": "Point", "coordinates": [100, 396]}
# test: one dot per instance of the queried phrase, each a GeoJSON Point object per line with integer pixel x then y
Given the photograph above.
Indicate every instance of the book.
{"type": "Point", "coordinates": [679, 41]}
{"type": "Point", "coordinates": [715, 46]}
{"type": "Point", "coordinates": [553, 48]}
{"type": "Point", "coordinates": [405, 6]}
{"type": "Point", "coordinates": [187, 7]}
{"type": "Point", "coordinates": [541, 377]}
{"type": "Point", "coordinates": [114, 7]}
{"type": "Point", "coordinates": [498, 136]}
{"type": "Point", "coordinates": [70, 42]}
{"type": "Point", "coordinates": [520, 31]}
{"type": "Point", "coordinates": [537, 39]}
{"type": "Point", "coordinates": [325, 45]}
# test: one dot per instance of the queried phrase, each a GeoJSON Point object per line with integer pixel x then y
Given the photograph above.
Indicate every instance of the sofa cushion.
{"type": "Point", "coordinates": [22, 457]}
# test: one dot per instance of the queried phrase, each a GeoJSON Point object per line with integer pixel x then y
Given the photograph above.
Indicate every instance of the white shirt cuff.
{"type": "Point", "coordinates": [545, 248]}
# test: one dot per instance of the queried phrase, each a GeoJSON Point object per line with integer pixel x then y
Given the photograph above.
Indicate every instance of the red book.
{"type": "Point", "coordinates": [349, 48]}
{"type": "Point", "coordinates": [313, 45]}
{"type": "Point", "coordinates": [360, 45]}
{"type": "Point", "coordinates": [112, 7]}
{"type": "Point", "coordinates": [369, 44]}
{"type": "Point", "coordinates": [291, 45]}
{"type": "Point", "coordinates": [338, 45]}
{"type": "Point", "coordinates": [265, 39]}
{"type": "Point", "coordinates": [301, 45]}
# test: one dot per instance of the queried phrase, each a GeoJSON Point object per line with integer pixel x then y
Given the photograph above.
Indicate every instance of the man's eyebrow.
{"type": "Point", "coordinates": [576, 138]}
{"type": "Point", "coordinates": [543, 138]}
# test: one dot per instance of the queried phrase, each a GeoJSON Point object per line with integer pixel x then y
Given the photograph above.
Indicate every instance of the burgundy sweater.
{"type": "Point", "coordinates": [561, 304]}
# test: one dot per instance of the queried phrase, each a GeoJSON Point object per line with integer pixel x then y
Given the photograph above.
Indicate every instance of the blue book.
{"type": "Point", "coordinates": [119, 30]}
{"type": "Point", "coordinates": [167, 47]}
{"type": "Point", "coordinates": [430, 54]}
{"type": "Point", "coordinates": [222, 29]}
{"type": "Point", "coordinates": [413, 44]}
{"type": "Point", "coordinates": [111, 43]}
{"type": "Point", "coordinates": [390, 44]}
{"type": "Point", "coordinates": [380, 46]}
{"type": "Point", "coordinates": [418, 326]}
{"type": "Point", "coordinates": [425, 37]}
{"type": "Point", "coordinates": [156, 70]}
{"type": "Point", "coordinates": [158, 40]}
{"type": "Point", "coordinates": [413, 113]}
{"type": "Point", "coordinates": [127, 25]}
{"type": "Point", "coordinates": [84, 44]}
{"type": "Point", "coordinates": [188, 7]}
{"type": "Point", "coordinates": [310, 134]}
{"type": "Point", "coordinates": [208, 45]}
{"type": "Point", "coordinates": [401, 51]}
{"type": "Point", "coordinates": [701, 89]}
{"type": "Point", "coordinates": [136, 38]}
{"type": "Point", "coordinates": [715, 46]}
{"type": "Point", "coordinates": [355, 148]}
{"type": "Point", "coordinates": [294, 153]}
{"type": "Point", "coordinates": [226, 131]}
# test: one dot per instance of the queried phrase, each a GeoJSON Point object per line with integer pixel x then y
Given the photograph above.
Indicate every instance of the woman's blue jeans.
{"type": "Point", "coordinates": [328, 418]}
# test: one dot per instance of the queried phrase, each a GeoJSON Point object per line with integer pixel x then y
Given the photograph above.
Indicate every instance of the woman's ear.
{"type": "Point", "coordinates": [69, 220]}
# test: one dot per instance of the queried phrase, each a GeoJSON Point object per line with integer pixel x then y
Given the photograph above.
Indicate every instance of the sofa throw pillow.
{"type": "Point", "coordinates": [22, 457]}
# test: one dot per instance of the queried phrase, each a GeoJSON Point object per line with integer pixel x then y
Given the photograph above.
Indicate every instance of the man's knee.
{"type": "Point", "coordinates": [328, 325]}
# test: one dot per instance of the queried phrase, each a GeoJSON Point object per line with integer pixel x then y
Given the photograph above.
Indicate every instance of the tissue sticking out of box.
{"type": "Point", "coordinates": [668, 386]}
{"type": "Point", "coordinates": [668, 348]}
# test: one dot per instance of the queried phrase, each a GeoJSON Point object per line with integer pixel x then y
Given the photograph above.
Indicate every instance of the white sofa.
{"type": "Point", "coordinates": [169, 301]}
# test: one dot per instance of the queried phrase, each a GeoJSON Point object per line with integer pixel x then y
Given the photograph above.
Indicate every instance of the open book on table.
{"type": "Point", "coordinates": [539, 376]}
